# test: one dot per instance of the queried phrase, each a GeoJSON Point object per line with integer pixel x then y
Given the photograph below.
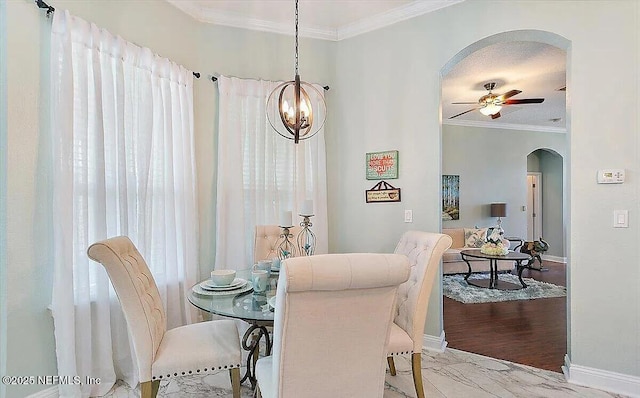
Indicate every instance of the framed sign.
{"type": "Point", "coordinates": [382, 165]}
{"type": "Point", "coordinates": [382, 192]}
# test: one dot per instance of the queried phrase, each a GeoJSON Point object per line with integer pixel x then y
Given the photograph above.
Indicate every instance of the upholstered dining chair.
{"type": "Point", "coordinates": [333, 314]}
{"type": "Point", "coordinates": [267, 239]}
{"type": "Point", "coordinates": [198, 348]}
{"type": "Point", "coordinates": [424, 250]}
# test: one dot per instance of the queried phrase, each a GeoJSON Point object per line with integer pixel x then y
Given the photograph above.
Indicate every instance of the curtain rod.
{"type": "Point", "coordinates": [51, 10]}
{"type": "Point", "coordinates": [215, 79]}
{"type": "Point", "coordinates": [42, 4]}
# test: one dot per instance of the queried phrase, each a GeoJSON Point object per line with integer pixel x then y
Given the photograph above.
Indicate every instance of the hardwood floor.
{"type": "Point", "coordinates": [529, 332]}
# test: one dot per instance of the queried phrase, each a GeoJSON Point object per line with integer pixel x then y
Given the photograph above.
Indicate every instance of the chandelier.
{"type": "Point", "coordinates": [290, 107]}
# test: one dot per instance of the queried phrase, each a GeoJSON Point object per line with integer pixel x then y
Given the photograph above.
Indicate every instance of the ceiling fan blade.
{"type": "Point", "coordinates": [508, 95]}
{"type": "Point", "coordinates": [497, 115]}
{"type": "Point", "coordinates": [460, 114]}
{"type": "Point", "coordinates": [464, 103]}
{"type": "Point", "coordinates": [524, 101]}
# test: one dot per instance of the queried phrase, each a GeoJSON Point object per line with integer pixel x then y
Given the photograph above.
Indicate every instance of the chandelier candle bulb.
{"type": "Point", "coordinates": [286, 218]}
{"type": "Point", "coordinates": [307, 208]}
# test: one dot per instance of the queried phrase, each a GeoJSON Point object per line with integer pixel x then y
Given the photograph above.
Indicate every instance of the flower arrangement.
{"type": "Point", "coordinates": [494, 249]}
{"type": "Point", "coordinates": [494, 245]}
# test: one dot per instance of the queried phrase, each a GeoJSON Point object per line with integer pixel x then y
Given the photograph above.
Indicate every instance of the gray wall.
{"type": "Point", "coordinates": [388, 97]}
{"type": "Point", "coordinates": [30, 343]}
{"type": "Point", "coordinates": [385, 95]}
{"type": "Point", "coordinates": [492, 164]}
{"type": "Point", "coordinates": [3, 193]}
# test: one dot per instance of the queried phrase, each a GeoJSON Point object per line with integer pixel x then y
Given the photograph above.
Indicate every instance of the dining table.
{"type": "Point", "coordinates": [256, 309]}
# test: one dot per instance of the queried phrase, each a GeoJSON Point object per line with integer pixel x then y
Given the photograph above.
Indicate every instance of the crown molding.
{"type": "Point", "coordinates": [505, 126]}
{"type": "Point", "coordinates": [393, 16]}
{"type": "Point", "coordinates": [378, 21]}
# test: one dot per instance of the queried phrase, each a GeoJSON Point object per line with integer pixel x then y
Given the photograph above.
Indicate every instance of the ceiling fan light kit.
{"type": "Point", "coordinates": [490, 104]}
{"type": "Point", "coordinates": [289, 107]}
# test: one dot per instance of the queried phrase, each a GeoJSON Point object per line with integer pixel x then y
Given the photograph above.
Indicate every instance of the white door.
{"type": "Point", "coordinates": [534, 206]}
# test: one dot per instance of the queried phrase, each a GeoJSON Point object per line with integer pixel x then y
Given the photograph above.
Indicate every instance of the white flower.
{"type": "Point", "coordinates": [494, 249]}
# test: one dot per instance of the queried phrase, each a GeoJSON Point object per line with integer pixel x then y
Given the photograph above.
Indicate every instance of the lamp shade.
{"type": "Point", "coordinates": [498, 209]}
{"type": "Point", "coordinates": [490, 109]}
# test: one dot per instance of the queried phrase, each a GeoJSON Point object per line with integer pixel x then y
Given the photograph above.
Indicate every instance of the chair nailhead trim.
{"type": "Point", "coordinates": [184, 373]}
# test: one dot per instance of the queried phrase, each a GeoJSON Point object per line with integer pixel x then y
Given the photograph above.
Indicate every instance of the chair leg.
{"type": "Point", "coordinates": [258, 393]}
{"type": "Point", "coordinates": [392, 365]}
{"type": "Point", "coordinates": [235, 381]}
{"type": "Point", "coordinates": [416, 367]}
{"type": "Point", "coordinates": [149, 389]}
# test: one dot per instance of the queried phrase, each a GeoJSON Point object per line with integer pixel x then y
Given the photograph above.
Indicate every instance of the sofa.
{"type": "Point", "coordinates": [452, 262]}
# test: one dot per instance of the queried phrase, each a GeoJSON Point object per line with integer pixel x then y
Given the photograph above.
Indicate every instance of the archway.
{"type": "Point", "coordinates": [548, 165]}
{"type": "Point", "coordinates": [522, 147]}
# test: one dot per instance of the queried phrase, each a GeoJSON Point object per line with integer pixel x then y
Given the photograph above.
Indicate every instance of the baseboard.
{"type": "Point", "coordinates": [434, 343]}
{"type": "Point", "coordinates": [617, 383]}
{"type": "Point", "coordinates": [51, 392]}
{"type": "Point", "coordinates": [555, 259]}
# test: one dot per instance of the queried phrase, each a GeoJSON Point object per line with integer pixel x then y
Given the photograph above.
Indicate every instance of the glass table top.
{"type": "Point", "coordinates": [509, 256]}
{"type": "Point", "coordinates": [248, 305]}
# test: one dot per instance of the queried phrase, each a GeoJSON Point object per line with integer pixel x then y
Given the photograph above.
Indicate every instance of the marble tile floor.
{"type": "Point", "coordinates": [452, 374]}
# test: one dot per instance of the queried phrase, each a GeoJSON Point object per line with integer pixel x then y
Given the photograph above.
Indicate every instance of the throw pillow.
{"type": "Point", "coordinates": [475, 237]}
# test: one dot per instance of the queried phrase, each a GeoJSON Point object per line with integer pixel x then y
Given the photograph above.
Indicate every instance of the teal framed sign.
{"type": "Point", "coordinates": [382, 165]}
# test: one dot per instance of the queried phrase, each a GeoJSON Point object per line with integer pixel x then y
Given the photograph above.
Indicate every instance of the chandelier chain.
{"type": "Point", "coordinates": [296, 37]}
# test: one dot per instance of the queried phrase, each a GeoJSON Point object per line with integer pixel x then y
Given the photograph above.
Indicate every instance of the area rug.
{"type": "Point", "coordinates": [456, 288]}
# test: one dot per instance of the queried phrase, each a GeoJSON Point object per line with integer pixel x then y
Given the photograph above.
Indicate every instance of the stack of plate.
{"type": "Point", "coordinates": [208, 288]}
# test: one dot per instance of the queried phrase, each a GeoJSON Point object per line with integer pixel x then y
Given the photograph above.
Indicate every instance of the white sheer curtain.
{"type": "Point", "coordinates": [261, 173]}
{"type": "Point", "coordinates": [123, 148]}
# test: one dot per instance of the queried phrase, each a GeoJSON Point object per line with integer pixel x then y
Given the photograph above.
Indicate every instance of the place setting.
{"type": "Point", "coordinates": [222, 282]}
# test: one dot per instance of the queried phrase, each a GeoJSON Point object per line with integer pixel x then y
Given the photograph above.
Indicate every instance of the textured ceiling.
{"type": "Point", "coordinates": [537, 69]}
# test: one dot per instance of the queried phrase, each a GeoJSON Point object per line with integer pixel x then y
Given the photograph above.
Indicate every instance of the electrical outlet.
{"type": "Point", "coordinates": [408, 216]}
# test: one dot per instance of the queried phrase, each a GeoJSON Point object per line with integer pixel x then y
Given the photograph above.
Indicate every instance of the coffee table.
{"type": "Point", "coordinates": [493, 282]}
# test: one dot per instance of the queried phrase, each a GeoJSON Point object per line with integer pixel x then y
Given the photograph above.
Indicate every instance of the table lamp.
{"type": "Point", "coordinates": [499, 210]}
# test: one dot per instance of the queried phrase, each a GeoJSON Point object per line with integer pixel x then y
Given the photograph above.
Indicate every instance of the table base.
{"type": "Point", "coordinates": [251, 343]}
{"type": "Point", "coordinates": [493, 282]}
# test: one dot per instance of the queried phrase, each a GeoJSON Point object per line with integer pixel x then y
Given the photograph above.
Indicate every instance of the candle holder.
{"type": "Point", "coordinates": [286, 248]}
{"type": "Point", "coordinates": [306, 238]}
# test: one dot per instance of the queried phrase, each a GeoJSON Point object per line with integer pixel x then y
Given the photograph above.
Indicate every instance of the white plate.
{"type": "Point", "coordinates": [236, 281]}
{"type": "Point", "coordinates": [199, 290]}
{"type": "Point", "coordinates": [236, 284]}
{"type": "Point", "coordinates": [272, 302]}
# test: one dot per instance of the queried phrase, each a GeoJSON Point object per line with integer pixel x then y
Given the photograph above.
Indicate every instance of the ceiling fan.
{"type": "Point", "coordinates": [490, 104]}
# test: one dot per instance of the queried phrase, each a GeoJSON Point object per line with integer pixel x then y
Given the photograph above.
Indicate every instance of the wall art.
{"type": "Point", "coordinates": [450, 197]}
{"type": "Point", "coordinates": [382, 165]}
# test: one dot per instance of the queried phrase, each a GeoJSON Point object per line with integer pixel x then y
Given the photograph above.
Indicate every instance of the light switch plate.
{"type": "Point", "coordinates": [621, 218]}
{"type": "Point", "coordinates": [408, 216]}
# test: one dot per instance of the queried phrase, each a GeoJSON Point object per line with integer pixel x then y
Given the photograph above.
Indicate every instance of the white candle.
{"type": "Point", "coordinates": [307, 208]}
{"type": "Point", "coordinates": [286, 218]}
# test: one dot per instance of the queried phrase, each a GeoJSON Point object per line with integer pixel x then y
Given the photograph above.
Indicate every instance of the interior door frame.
{"type": "Point", "coordinates": [534, 206]}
